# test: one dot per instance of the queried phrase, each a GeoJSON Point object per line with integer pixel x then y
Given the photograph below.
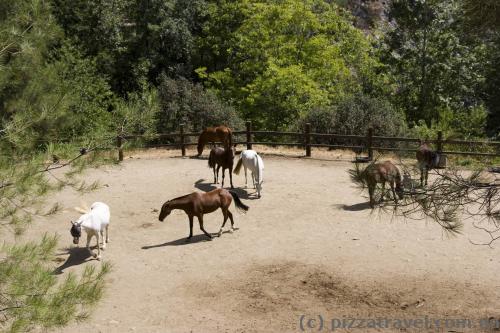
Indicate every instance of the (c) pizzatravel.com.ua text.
{"type": "Point", "coordinates": [320, 323]}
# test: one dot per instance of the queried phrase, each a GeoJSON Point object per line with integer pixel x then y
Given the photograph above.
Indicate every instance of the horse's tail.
{"type": "Point", "coordinates": [237, 202]}
{"type": "Point", "coordinates": [260, 168]}
{"type": "Point", "coordinates": [83, 208]}
{"type": "Point", "coordinates": [211, 160]}
{"type": "Point", "coordinates": [238, 166]}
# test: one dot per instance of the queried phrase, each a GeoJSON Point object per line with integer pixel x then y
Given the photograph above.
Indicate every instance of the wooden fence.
{"type": "Point", "coordinates": [368, 143]}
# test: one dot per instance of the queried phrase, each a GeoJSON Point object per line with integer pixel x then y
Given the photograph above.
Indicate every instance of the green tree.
{"type": "Point", "coordinates": [52, 102]}
{"type": "Point", "coordinates": [434, 64]}
{"type": "Point", "coordinates": [276, 60]}
{"type": "Point", "coordinates": [184, 102]}
{"type": "Point", "coordinates": [134, 40]}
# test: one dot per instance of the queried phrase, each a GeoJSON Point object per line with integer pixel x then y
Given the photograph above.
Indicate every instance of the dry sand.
{"type": "Point", "coordinates": [310, 246]}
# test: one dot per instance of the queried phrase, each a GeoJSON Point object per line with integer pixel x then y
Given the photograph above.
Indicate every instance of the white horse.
{"type": "Point", "coordinates": [251, 160]}
{"type": "Point", "coordinates": [94, 221]}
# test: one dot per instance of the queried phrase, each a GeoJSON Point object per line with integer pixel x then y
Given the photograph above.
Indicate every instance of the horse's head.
{"type": "Point", "coordinates": [76, 231]}
{"type": "Point", "coordinates": [165, 211]}
{"type": "Point", "coordinates": [258, 186]}
{"type": "Point", "coordinates": [200, 148]}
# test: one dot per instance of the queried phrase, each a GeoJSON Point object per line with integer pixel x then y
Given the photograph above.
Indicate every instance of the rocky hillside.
{"type": "Point", "coordinates": [368, 12]}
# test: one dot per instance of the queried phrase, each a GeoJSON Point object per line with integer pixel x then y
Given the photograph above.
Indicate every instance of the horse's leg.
{"type": "Point", "coordinates": [246, 181]}
{"type": "Point", "coordinates": [426, 175]}
{"type": "Point", "coordinates": [218, 168]}
{"type": "Point", "coordinates": [421, 176]}
{"type": "Point", "coordinates": [223, 176]}
{"type": "Point", "coordinates": [215, 179]}
{"type": "Point", "coordinates": [200, 220]}
{"type": "Point", "coordinates": [393, 192]}
{"type": "Point", "coordinates": [253, 180]}
{"type": "Point", "coordinates": [383, 192]}
{"type": "Point", "coordinates": [98, 257]}
{"type": "Point", "coordinates": [89, 237]}
{"type": "Point", "coordinates": [107, 233]}
{"type": "Point", "coordinates": [190, 228]}
{"type": "Point", "coordinates": [232, 221]}
{"type": "Point", "coordinates": [231, 176]}
{"type": "Point", "coordinates": [370, 192]}
{"type": "Point", "coordinates": [102, 239]}
{"type": "Point", "coordinates": [224, 213]}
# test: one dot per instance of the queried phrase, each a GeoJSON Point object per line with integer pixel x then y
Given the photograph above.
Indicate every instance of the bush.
{"type": "Point", "coordinates": [354, 115]}
{"type": "Point", "coordinates": [189, 103]}
{"type": "Point", "coordinates": [462, 124]}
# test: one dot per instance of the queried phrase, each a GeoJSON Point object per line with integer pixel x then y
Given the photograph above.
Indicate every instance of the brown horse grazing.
{"type": "Point", "coordinates": [427, 159]}
{"type": "Point", "coordinates": [381, 173]}
{"type": "Point", "coordinates": [215, 134]}
{"type": "Point", "coordinates": [197, 204]}
{"type": "Point", "coordinates": [222, 157]}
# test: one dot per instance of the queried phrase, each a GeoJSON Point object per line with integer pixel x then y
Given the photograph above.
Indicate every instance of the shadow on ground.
{"type": "Point", "coordinates": [77, 256]}
{"type": "Point", "coordinates": [181, 241]}
{"type": "Point", "coordinates": [356, 207]}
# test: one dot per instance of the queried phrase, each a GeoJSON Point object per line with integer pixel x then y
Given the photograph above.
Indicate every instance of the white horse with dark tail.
{"type": "Point", "coordinates": [94, 221]}
{"type": "Point", "coordinates": [251, 160]}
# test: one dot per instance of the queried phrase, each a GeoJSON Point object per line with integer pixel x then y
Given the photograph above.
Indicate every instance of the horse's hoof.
{"type": "Point", "coordinates": [188, 239]}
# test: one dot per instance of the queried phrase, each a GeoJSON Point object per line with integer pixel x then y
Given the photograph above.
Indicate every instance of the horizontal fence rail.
{"type": "Point", "coordinates": [307, 140]}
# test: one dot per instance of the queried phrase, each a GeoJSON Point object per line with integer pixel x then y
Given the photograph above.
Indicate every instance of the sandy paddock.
{"type": "Point", "coordinates": [309, 247]}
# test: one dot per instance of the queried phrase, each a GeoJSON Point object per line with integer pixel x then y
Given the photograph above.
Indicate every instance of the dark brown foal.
{"type": "Point", "coordinates": [222, 157]}
{"type": "Point", "coordinates": [427, 159]}
{"type": "Point", "coordinates": [197, 204]}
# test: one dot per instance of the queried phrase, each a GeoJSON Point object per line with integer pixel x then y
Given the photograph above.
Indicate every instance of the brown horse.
{"type": "Point", "coordinates": [197, 204]}
{"type": "Point", "coordinates": [381, 173]}
{"type": "Point", "coordinates": [427, 159]}
{"type": "Point", "coordinates": [215, 134]}
{"type": "Point", "coordinates": [222, 157]}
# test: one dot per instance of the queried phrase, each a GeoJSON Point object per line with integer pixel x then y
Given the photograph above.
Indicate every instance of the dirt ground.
{"type": "Point", "coordinates": [310, 251]}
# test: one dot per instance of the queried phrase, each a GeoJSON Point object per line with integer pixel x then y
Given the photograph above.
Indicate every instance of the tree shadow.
{"type": "Point", "coordinates": [356, 207]}
{"type": "Point", "coordinates": [181, 241]}
{"type": "Point", "coordinates": [77, 256]}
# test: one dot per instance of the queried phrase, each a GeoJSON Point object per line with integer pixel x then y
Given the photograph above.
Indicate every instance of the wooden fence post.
{"type": "Point", "coordinates": [183, 140]}
{"type": "Point", "coordinates": [307, 137]}
{"type": "Point", "coordinates": [119, 144]}
{"type": "Point", "coordinates": [439, 143]}
{"type": "Point", "coordinates": [249, 135]}
{"type": "Point", "coordinates": [369, 143]}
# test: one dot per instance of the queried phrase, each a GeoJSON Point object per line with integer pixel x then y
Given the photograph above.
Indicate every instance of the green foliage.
{"type": "Point", "coordinates": [465, 124]}
{"type": "Point", "coordinates": [482, 14]}
{"type": "Point", "coordinates": [281, 59]}
{"type": "Point", "coordinates": [30, 293]}
{"type": "Point", "coordinates": [354, 115]}
{"type": "Point", "coordinates": [134, 40]}
{"type": "Point", "coordinates": [137, 114]}
{"type": "Point", "coordinates": [434, 63]}
{"type": "Point", "coordinates": [183, 102]}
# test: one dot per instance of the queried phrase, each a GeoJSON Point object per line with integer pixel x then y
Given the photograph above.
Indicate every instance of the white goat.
{"type": "Point", "coordinates": [93, 221]}
{"type": "Point", "coordinates": [251, 160]}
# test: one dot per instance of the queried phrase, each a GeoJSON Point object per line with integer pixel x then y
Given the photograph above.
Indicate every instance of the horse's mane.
{"type": "Point", "coordinates": [181, 197]}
